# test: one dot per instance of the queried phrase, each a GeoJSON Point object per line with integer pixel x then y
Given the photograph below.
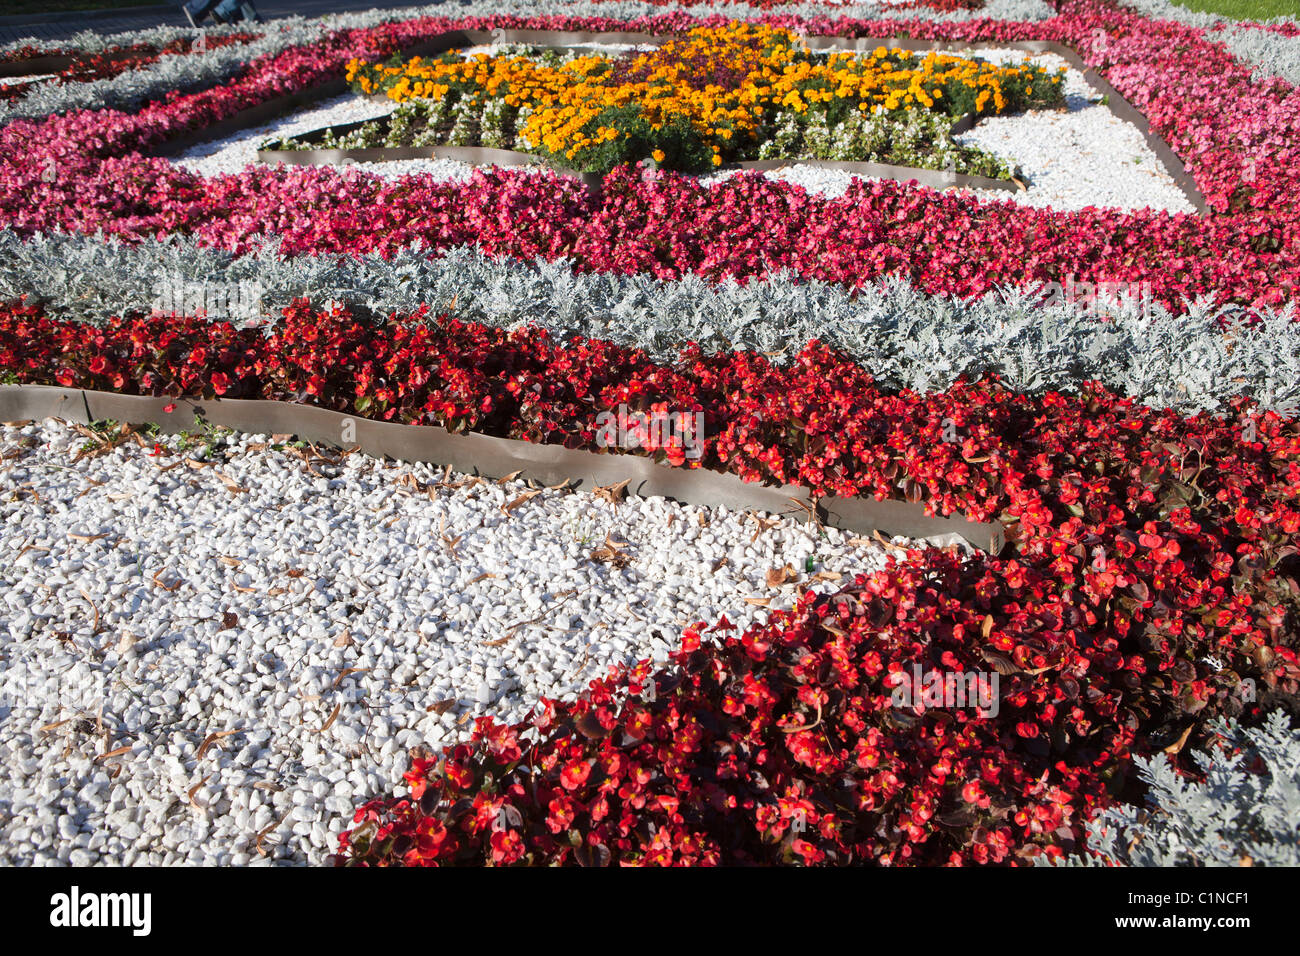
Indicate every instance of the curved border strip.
{"type": "Point", "coordinates": [496, 457]}
{"type": "Point", "coordinates": [474, 155]}
{"type": "Point", "coordinates": [480, 155]}
{"type": "Point", "coordinates": [37, 66]}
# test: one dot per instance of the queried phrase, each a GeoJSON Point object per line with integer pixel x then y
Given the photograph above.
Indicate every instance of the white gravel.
{"type": "Point", "coordinates": [233, 153]}
{"type": "Point", "coordinates": [1080, 157]}
{"type": "Point", "coordinates": [192, 655]}
{"type": "Point", "coordinates": [1072, 159]}
{"type": "Point", "coordinates": [1085, 156]}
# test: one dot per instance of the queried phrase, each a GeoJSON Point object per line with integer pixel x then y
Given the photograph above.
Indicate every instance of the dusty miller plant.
{"type": "Point", "coordinates": [1270, 54]}
{"type": "Point", "coordinates": [1245, 812]}
{"type": "Point", "coordinates": [909, 339]}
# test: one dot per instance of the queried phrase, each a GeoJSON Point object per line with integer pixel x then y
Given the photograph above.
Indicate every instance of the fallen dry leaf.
{"type": "Point", "coordinates": [348, 670]}
{"type": "Point", "coordinates": [807, 508]}
{"type": "Point", "coordinates": [612, 493]}
{"type": "Point", "coordinates": [114, 753]}
{"type": "Point", "coordinates": [526, 496]}
{"type": "Point", "coordinates": [95, 629]}
{"type": "Point", "coordinates": [764, 524]}
{"type": "Point", "coordinates": [166, 587]}
{"type": "Point", "coordinates": [776, 577]}
{"type": "Point", "coordinates": [195, 789]}
{"type": "Point", "coordinates": [1177, 745]}
{"type": "Point", "coordinates": [334, 714]}
{"type": "Point", "coordinates": [262, 833]}
{"type": "Point", "coordinates": [87, 538]}
{"type": "Point", "coordinates": [211, 739]}
{"type": "Point", "coordinates": [612, 553]}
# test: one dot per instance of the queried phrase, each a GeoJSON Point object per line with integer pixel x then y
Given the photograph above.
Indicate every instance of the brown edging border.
{"type": "Point", "coordinates": [36, 66]}
{"type": "Point", "coordinates": [495, 458]}
{"type": "Point", "coordinates": [475, 155]}
{"type": "Point", "coordinates": [481, 155]}
{"type": "Point", "coordinates": [47, 64]}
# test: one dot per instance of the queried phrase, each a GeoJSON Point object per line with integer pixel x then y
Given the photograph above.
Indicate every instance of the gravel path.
{"type": "Point", "coordinates": [1082, 156]}
{"type": "Point", "coordinates": [193, 655]}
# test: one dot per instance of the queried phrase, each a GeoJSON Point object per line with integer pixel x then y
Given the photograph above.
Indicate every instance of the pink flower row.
{"type": "Point", "coordinates": [1239, 137]}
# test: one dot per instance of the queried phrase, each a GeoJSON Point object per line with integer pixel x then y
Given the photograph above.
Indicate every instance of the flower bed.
{"type": "Point", "coordinates": [715, 96]}
{"type": "Point", "coordinates": [1135, 562]}
{"type": "Point", "coordinates": [1152, 572]}
{"type": "Point", "coordinates": [878, 229]}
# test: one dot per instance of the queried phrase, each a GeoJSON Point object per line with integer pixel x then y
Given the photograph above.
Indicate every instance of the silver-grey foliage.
{"type": "Point", "coordinates": [1270, 54]}
{"type": "Point", "coordinates": [88, 41]}
{"type": "Point", "coordinates": [186, 73]}
{"type": "Point", "coordinates": [907, 338]}
{"type": "Point", "coordinates": [1237, 816]}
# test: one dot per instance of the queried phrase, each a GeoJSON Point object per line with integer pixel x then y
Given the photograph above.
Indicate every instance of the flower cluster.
{"type": "Point", "coordinates": [1097, 490]}
{"type": "Point", "coordinates": [776, 746]}
{"type": "Point", "coordinates": [1153, 567]}
{"type": "Point", "coordinates": [940, 6]}
{"type": "Point", "coordinates": [712, 96]}
{"type": "Point", "coordinates": [914, 138]}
